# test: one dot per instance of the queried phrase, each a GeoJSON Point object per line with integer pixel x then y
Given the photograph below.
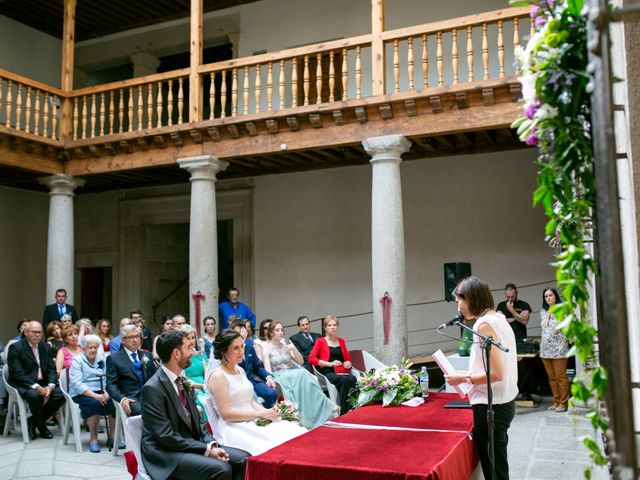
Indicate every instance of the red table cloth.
{"type": "Point", "coordinates": [438, 446]}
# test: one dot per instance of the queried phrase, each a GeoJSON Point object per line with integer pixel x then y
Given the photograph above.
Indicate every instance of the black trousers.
{"type": "Point", "coordinates": [193, 465]}
{"type": "Point", "coordinates": [344, 384]}
{"type": "Point", "coordinates": [40, 411]}
{"type": "Point", "coordinates": [502, 416]}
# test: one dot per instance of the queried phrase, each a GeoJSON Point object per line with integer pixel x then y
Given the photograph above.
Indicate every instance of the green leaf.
{"type": "Point", "coordinates": [575, 6]}
{"type": "Point", "coordinates": [388, 396]}
{"type": "Point", "coordinates": [519, 3]}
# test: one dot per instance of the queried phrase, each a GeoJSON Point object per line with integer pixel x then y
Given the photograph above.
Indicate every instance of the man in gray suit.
{"type": "Point", "coordinates": [173, 441]}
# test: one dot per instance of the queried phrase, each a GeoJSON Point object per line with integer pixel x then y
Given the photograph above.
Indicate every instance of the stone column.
{"type": "Point", "coordinates": [203, 234]}
{"type": "Point", "coordinates": [387, 244]}
{"type": "Point", "coordinates": [60, 246]}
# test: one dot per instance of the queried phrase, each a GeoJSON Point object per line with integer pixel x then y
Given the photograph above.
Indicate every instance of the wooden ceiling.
{"type": "Point", "coordinates": [460, 143]}
{"type": "Point", "coordinates": [97, 18]}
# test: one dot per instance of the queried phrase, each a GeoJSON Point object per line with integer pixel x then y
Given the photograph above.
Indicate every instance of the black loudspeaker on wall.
{"type": "Point", "coordinates": [453, 273]}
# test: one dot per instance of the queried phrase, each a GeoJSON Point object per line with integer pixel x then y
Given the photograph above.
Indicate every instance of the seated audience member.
{"type": "Point", "coordinates": [66, 320]}
{"type": "Point", "coordinates": [54, 337]}
{"type": "Point", "coordinates": [21, 325]}
{"type": "Point", "coordinates": [236, 404]}
{"type": "Point", "coordinates": [114, 344]}
{"type": "Point", "coordinates": [209, 334]}
{"type": "Point", "coordinates": [88, 390]}
{"type": "Point", "coordinates": [262, 336]}
{"type": "Point", "coordinates": [174, 444]}
{"type": "Point", "coordinates": [304, 339]}
{"type": "Point", "coordinates": [71, 348]}
{"type": "Point", "coordinates": [250, 333]}
{"type": "Point", "coordinates": [298, 385]}
{"type": "Point", "coordinates": [103, 330]}
{"type": "Point", "coordinates": [262, 381]}
{"type": "Point", "coordinates": [167, 326]}
{"type": "Point", "coordinates": [147, 336]}
{"type": "Point", "coordinates": [179, 320]}
{"type": "Point", "coordinates": [331, 357]}
{"type": "Point", "coordinates": [33, 373]}
{"type": "Point", "coordinates": [197, 371]}
{"type": "Point", "coordinates": [128, 370]}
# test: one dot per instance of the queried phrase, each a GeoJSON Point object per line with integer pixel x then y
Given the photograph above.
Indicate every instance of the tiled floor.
{"type": "Point", "coordinates": [543, 445]}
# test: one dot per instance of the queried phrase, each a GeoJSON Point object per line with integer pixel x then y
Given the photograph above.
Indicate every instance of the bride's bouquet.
{"type": "Point", "coordinates": [288, 412]}
{"type": "Point", "coordinates": [390, 385]}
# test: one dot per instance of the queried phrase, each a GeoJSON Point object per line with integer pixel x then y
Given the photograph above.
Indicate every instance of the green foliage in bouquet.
{"type": "Point", "coordinates": [390, 385]}
{"type": "Point", "coordinates": [288, 412]}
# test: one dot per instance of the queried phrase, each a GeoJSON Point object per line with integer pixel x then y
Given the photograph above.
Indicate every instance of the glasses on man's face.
{"type": "Point", "coordinates": [132, 337]}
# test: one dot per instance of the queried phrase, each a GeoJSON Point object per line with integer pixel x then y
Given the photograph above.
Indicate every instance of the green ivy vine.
{"type": "Point", "coordinates": [556, 119]}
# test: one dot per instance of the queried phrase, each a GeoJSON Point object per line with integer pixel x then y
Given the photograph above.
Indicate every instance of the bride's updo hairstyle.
{"type": "Point", "coordinates": [222, 342]}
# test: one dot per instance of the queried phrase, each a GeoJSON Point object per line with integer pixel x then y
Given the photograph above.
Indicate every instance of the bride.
{"type": "Point", "coordinates": [237, 406]}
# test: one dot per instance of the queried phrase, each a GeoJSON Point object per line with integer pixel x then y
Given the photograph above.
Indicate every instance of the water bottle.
{"type": "Point", "coordinates": [424, 382]}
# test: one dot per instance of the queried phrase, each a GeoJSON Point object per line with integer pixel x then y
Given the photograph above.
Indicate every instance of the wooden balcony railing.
{"type": "Point", "coordinates": [418, 59]}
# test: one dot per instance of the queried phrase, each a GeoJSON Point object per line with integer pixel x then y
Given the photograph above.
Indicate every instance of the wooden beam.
{"type": "Point", "coordinates": [378, 76]}
{"type": "Point", "coordinates": [66, 81]}
{"type": "Point", "coordinates": [14, 158]}
{"type": "Point", "coordinates": [195, 56]}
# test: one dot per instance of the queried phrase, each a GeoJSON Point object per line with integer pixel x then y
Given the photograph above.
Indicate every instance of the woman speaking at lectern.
{"type": "Point", "coordinates": [475, 302]}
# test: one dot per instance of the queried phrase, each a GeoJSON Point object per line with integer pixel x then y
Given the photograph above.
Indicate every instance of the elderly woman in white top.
{"type": "Point", "coordinates": [86, 388]}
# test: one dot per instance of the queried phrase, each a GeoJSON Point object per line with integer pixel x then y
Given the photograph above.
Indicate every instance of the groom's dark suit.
{"type": "Point", "coordinates": [122, 379]}
{"type": "Point", "coordinates": [304, 345]}
{"type": "Point", "coordinates": [173, 446]}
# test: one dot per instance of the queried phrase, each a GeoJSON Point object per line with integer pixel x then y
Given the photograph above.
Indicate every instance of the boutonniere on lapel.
{"type": "Point", "coordinates": [145, 360]}
{"type": "Point", "coordinates": [188, 387]}
{"type": "Point", "coordinates": [101, 365]}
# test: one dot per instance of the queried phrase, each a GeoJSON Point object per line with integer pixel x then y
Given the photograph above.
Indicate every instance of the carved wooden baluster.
{"type": "Point", "coordinates": [159, 104]}
{"type": "Point", "coordinates": [516, 40]}
{"type": "Point", "coordinates": [54, 119]}
{"type": "Point", "coordinates": [396, 67]}
{"type": "Point", "coordinates": [36, 114]}
{"type": "Point", "coordinates": [305, 79]}
{"type": "Point", "coordinates": [112, 112]}
{"type": "Point", "coordinates": [19, 107]}
{"type": "Point", "coordinates": [454, 54]}
{"type": "Point", "coordinates": [93, 115]}
{"type": "Point", "coordinates": [234, 93]}
{"type": "Point", "coordinates": [170, 104]}
{"type": "Point", "coordinates": [270, 87]}
{"type": "Point", "coordinates": [410, 67]}
{"type": "Point", "coordinates": [121, 111]}
{"type": "Point", "coordinates": [294, 82]}
{"type": "Point", "coordinates": [358, 73]}
{"type": "Point", "coordinates": [75, 118]}
{"type": "Point", "coordinates": [440, 61]}
{"type": "Point", "coordinates": [150, 105]}
{"type": "Point", "coordinates": [332, 76]}
{"type": "Point", "coordinates": [319, 78]}
{"type": "Point", "coordinates": [102, 125]}
{"type": "Point", "coordinates": [470, 52]}
{"type": "Point", "coordinates": [223, 95]}
{"type": "Point", "coordinates": [130, 109]}
{"type": "Point", "coordinates": [258, 87]}
{"type": "Point", "coordinates": [345, 75]}
{"type": "Point", "coordinates": [1, 97]}
{"type": "Point", "coordinates": [45, 116]}
{"type": "Point", "coordinates": [140, 108]}
{"type": "Point", "coordinates": [281, 90]}
{"type": "Point", "coordinates": [27, 111]}
{"type": "Point", "coordinates": [501, 48]}
{"type": "Point", "coordinates": [9, 101]}
{"type": "Point", "coordinates": [425, 62]}
{"type": "Point", "coordinates": [212, 95]}
{"type": "Point", "coordinates": [532, 28]}
{"type": "Point", "coordinates": [180, 99]}
{"type": "Point", "coordinates": [485, 51]}
{"type": "Point", "coordinates": [246, 90]}
{"type": "Point", "coordinates": [84, 116]}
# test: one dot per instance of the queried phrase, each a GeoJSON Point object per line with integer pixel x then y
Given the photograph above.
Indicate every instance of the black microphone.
{"type": "Point", "coordinates": [457, 319]}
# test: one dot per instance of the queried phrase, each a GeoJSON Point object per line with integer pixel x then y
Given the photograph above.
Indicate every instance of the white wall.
{"type": "Point", "coordinates": [313, 246]}
{"type": "Point", "coordinates": [28, 52]}
{"type": "Point", "coordinates": [24, 216]}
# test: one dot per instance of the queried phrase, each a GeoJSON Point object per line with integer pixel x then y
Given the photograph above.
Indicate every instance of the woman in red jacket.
{"type": "Point", "coordinates": [331, 357]}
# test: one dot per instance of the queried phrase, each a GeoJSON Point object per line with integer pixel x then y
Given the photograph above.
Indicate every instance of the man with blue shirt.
{"type": "Point", "coordinates": [234, 307]}
{"type": "Point", "coordinates": [116, 342]}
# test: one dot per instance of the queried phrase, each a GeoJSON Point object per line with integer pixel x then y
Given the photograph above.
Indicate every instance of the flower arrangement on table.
{"type": "Point", "coordinates": [390, 385]}
{"type": "Point", "coordinates": [288, 412]}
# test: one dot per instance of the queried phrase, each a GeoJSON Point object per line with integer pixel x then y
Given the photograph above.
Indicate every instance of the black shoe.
{"type": "Point", "coordinates": [45, 432]}
{"type": "Point", "coordinates": [32, 429]}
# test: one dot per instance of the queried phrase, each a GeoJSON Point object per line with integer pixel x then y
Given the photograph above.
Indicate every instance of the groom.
{"type": "Point", "coordinates": [173, 442]}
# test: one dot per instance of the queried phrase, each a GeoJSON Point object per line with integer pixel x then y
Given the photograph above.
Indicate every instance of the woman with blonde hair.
{"type": "Point", "coordinates": [70, 350]}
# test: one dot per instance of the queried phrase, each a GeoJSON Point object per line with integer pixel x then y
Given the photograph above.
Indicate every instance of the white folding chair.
{"type": "Point", "coordinates": [121, 418]}
{"type": "Point", "coordinates": [327, 385]}
{"type": "Point", "coordinates": [133, 430]}
{"type": "Point", "coordinates": [16, 407]}
{"type": "Point", "coordinates": [371, 362]}
{"type": "Point", "coordinates": [214, 420]}
{"type": "Point", "coordinates": [72, 417]}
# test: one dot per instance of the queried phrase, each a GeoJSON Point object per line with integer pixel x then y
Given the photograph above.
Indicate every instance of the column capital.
{"type": "Point", "coordinates": [204, 167]}
{"type": "Point", "coordinates": [61, 184]}
{"type": "Point", "coordinates": [144, 63]}
{"type": "Point", "coordinates": [388, 147]}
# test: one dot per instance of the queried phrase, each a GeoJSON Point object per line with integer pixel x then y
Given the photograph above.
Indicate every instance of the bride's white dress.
{"type": "Point", "coordinates": [248, 435]}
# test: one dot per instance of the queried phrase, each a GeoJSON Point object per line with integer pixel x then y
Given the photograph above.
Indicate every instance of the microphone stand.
{"type": "Point", "coordinates": [487, 341]}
